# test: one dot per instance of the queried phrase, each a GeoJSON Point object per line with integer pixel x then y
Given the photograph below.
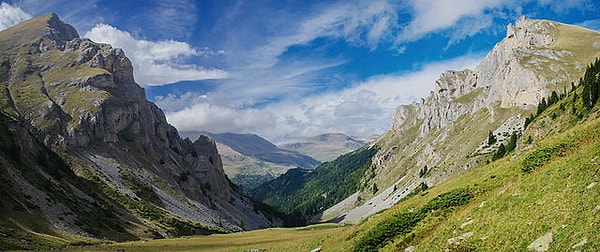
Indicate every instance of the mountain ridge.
{"type": "Point", "coordinates": [502, 90]}
{"type": "Point", "coordinates": [250, 160]}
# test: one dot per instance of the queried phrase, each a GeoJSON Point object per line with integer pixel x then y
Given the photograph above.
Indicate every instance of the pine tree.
{"type": "Point", "coordinates": [500, 152]}
{"type": "Point", "coordinates": [512, 142]}
{"type": "Point", "coordinates": [591, 84]}
{"type": "Point", "coordinates": [553, 98]}
{"type": "Point", "coordinates": [542, 106]}
{"type": "Point", "coordinates": [491, 138]}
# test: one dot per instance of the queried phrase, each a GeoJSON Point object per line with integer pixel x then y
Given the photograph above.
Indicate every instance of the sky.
{"type": "Point", "coordinates": [291, 69]}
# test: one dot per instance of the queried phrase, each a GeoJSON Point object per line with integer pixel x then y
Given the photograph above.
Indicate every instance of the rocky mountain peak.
{"type": "Point", "coordinates": [530, 33]}
{"type": "Point", "coordinates": [517, 72]}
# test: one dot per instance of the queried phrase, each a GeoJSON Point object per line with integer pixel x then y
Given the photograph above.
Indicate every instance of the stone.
{"type": "Point", "coordinates": [542, 243]}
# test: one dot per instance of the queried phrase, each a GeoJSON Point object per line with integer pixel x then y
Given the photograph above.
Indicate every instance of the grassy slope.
{"type": "Point", "coordinates": [519, 207]}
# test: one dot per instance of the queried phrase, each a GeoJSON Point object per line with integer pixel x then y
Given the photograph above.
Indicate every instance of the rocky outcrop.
{"type": "Point", "coordinates": [508, 74]}
{"type": "Point", "coordinates": [80, 97]}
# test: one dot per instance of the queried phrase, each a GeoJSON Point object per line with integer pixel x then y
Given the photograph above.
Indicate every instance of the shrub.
{"type": "Point", "coordinates": [537, 158]}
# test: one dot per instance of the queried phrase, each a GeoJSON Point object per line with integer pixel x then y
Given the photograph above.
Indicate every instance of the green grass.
{"type": "Point", "coordinates": [273, 239]}
{"type": "Point", "coordinates": [469, 97]}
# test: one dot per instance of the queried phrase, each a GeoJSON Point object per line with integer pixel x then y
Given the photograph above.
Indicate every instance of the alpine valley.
{"type": "Point", "coordinates": [503, 157]}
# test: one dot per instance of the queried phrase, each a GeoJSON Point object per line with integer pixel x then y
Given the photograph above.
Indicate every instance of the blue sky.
{"type": "Point", "coordinates": [292, 69]}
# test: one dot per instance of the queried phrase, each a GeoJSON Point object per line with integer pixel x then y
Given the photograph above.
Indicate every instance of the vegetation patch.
{"type": "Point", "coordinates": [537, 158]}
{"type": "Point", "coordinates": [403, 223]}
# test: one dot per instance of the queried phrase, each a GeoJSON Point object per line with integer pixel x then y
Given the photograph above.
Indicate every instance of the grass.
{"type": "Point", "coordinates": [469, 97]}
{"type": "Point", "coordinates": [274, 239]}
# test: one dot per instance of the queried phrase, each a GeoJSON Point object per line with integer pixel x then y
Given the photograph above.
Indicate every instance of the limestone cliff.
{"type": "Point", "coordinates": [80, 99]}
{"type": "Point", "coordinates": [446, 133]}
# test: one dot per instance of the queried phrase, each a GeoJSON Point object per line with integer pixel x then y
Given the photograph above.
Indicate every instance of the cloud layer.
{"type": "Point", "coordinates": [364, 109]}
{"type": "Point", "coordinates": [156, 62]}
{"type": "Point", "coordinates": [11, 15]}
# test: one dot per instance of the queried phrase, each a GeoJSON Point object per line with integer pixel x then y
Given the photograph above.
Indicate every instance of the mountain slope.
{"type": "Point", "coordinates": [547, 195]}
{"type": "Point", "coordinates": [302, 193]}
{"type": "Point", "coordinates": [448, 133]}
{"type": "Point", "coordinates": [250, 160]}
{"type": "Point", "coordinates": [73, 107]}
{"type": "Point", "coordinates": [325, 147]}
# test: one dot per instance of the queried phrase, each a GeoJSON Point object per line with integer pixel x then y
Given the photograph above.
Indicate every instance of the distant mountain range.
{"type": "Point", "coordinates": [250, 160]}
{"type": "Point", "coordinates": [325, 147]}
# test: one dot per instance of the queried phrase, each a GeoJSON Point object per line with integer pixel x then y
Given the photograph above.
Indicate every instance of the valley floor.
{"type": "Point", "coordinates": [272, 239]}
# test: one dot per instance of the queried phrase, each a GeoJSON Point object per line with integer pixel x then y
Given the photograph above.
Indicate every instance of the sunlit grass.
{"type": "Point", "coordinates": [273, 239]}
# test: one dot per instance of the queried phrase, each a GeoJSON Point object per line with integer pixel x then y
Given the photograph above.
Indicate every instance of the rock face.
{"type": "Point", "coordinates": [80, 98]}
{"type": "Point", "coordinates": [510, 74]}
{"type": "Point", "coordinates": [445, 134]}
{"type": "Point", "coordinates": [250, 160]}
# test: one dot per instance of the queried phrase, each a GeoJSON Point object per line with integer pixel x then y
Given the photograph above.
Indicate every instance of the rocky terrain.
{"type": "Point", "coordinates": [75, 105]}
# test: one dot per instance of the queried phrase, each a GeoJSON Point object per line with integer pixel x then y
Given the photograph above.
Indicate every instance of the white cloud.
{"type": "Point", "coordinates": [256, 67]}
{"type": "Point", "coordinates": [468, 17]}
{"type": "Point", "coordinates": [363, 109]}
{"type": "Point", "coordinates": [215, 118]}
{"type": "Point", "coordinates": [11, 15]}
{"type": "Point", "coordinates": [173, 19]}
{"type": "Point", "coordinates": [432, 16]}
{"type": "Point", "coordinates": [363, 23]}
{"type": "Point", "coordinates": [155, 63]}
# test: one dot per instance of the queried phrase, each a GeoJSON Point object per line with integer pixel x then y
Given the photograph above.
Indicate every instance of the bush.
{"type": "Point", "coordinates": [539, 157]}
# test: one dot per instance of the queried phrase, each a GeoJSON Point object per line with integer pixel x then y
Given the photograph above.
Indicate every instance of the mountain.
{"type": "Point", "coordinates": [325, 147]}
{"type": "Point", "coordinates": [250, 160]}
{"type": "Point", "coordinates": [545, 192]}
{"type": "Point", "coordinates": [470, 118]}
{"type": "Point", "coordinates": [85, 156]}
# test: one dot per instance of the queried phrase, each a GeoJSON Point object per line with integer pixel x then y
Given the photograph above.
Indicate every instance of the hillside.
{"type": "Point", "coordinates": [250, 160]}
{"type": "Point", "coordinates": [325, 147]}
{"type": "Point", "coordinates": [545, 193]}
{"type": "Point", "coordinates": [302, 193]}
{"type": "Point", "coordinates": [86, 157]}
{"type": "Point", "coordinates": [471, 116]}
